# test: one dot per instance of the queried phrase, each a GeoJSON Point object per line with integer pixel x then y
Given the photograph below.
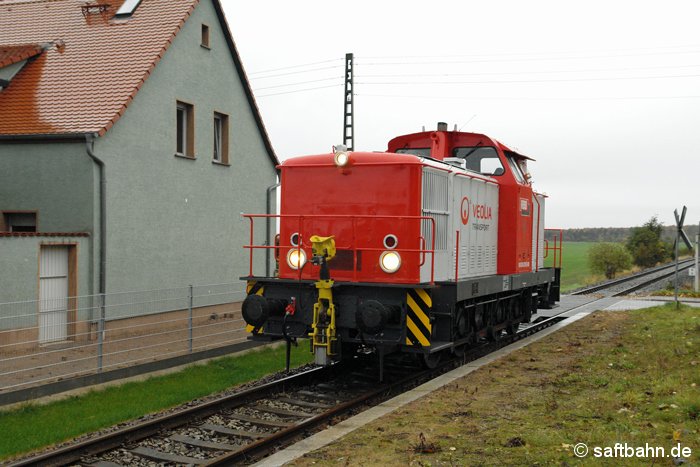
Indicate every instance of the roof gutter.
{"type": "Point", "coordinates": [48, 137]}
{"type": "Point", "coordinates": [90, 149]}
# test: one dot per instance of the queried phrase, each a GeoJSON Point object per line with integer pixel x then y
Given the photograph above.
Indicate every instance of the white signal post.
{"type": "Point", "coordinates": [680, 235]}
{"type": "Point", "coordinates": [696, 282]}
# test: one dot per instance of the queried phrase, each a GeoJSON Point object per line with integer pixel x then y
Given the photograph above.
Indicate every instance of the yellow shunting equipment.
{"type": "Point", "coordinates": [323, 334]}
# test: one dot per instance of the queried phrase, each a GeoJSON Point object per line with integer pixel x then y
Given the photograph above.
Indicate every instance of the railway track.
{"type": "Point", "coordinates": [629, 284]}
{"type": "Point", "coordinates": [248, 425]}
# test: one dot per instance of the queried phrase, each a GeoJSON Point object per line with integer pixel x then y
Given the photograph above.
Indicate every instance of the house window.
{"type": "Point", "coordinates": [205, 36]}
{"type": "Point", "coordinates": [220, 138]}
{"type": "Point", "coordinates": [185, 130]}
{"type": "Point", "coordinates": [19, 221]}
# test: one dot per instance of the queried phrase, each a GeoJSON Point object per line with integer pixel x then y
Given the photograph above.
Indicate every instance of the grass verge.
{"type": "Point", "coordinates": [34, 426]}
{"type": "Point", "coordinates": [613, 377]}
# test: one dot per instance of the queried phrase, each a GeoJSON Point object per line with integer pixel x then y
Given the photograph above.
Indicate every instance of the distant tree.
{"type": "Point", "coordinates": [609, 258]}
{"type": "Point", "coordinates": [646, 246]}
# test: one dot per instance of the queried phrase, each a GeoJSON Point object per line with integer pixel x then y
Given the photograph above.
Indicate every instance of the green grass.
{"type": "Point", "coordinates": [575, 270]}
{"type": "Point", "coordinates": [612, 377]}
{"type": "Point", "coordinates": [33, 426]}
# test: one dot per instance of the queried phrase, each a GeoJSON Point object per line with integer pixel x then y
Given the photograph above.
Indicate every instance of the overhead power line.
{"type": "Point", "coordinates": [513, 98]}
{"type": "Point", "coordinates": [516, 54]}
{"type": "Point", "coordinates": [299, 83]}
{"type": "Point", "coordinates": [511, 60]}
{"type": "Point", "coordinates": [301, 90]}
{"type": "Point", "coordinates": [299, 72]}
{"type": "Point", "coordinates": [294, 66]}
{"type": "Point", "coordinates": [516, 81]}
{"type": "Point", "coordinates": [537, 72]}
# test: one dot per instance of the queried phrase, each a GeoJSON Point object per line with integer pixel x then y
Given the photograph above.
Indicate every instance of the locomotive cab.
{"type": "Point", "coordinates": [521, 220]}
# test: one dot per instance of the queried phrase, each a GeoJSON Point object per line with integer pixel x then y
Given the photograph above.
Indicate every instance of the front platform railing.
{"type": "Point", "coordinates": [352, 246]}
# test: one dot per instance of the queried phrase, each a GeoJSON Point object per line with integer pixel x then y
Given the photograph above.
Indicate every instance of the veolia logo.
{"type": "Point", "coordinates": [465, 210]}
{"type": "Point", "coordinates": [480, 211]}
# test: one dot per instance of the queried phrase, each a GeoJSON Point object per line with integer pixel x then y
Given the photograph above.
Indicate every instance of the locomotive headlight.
{"type": "Point", "coordinates": [296, 259]}
{"type": "Point", "coordinates": [390, 261]}
{"type": "Point", "coordinates": [341, 158]}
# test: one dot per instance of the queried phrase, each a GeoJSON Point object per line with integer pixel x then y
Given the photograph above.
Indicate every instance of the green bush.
{"type": "Point", "coordinates": [646, 246]}
{"type": "Point", "coordinates": [609, 259]}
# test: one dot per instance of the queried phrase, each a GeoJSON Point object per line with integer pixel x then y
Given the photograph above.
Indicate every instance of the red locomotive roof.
{"type": "Point", "coordinates": [425, 139]}
{"type": "Point", "coordinates": [356, 158]}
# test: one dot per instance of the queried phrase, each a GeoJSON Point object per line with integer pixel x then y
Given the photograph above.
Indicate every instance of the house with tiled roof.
{"type": "Point", "coordinates": [130, 142]}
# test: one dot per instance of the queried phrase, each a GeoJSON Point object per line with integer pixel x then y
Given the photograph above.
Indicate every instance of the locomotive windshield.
{"type": "Point", "coordinates": [480, 159]}
{"type": "Point", "coordinates": [420, 152]}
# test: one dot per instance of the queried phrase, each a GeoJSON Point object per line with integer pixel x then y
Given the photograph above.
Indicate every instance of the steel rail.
{"type": "Point", "coordinates": [73, 453]}
{"type": "Point", "coordinates": [685, 265]}
{"type": "Point", "coordinates": [622, 280]}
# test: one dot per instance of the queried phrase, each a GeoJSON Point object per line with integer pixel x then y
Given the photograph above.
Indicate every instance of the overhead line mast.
{"type": "Point", "coordinates": [348, 105]}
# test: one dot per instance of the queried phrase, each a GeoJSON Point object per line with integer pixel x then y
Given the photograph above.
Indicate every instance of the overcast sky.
{"type": "Point", "coordinates": [605, 95]}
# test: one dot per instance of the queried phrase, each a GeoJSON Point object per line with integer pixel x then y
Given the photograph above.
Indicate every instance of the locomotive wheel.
{"type": "Point", "coordinates": [493, 335]}
{"type": "Point", "coordinates": [460, 350]}
{"type": "Point", "coordinates": [512, 327]}
{"type": "Point", "coordinates": [431, 361]}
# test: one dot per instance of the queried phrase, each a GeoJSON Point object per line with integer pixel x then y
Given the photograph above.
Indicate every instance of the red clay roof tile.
{"type": "Point", "coordinates": [93, 67]}
{"type": "Point", "coordinates": [11, 54]}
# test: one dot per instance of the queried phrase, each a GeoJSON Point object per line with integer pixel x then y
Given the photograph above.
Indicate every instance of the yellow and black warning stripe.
{"type": "Point", "coordinates": [418, 327]}
{"type": "Point", "coordinates": [254, 288]}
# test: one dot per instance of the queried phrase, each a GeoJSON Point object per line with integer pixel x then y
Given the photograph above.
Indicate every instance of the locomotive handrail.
{"type": "Point", "coordinates": [354, 248]}
{"type": "Point", "coordinates": [457, 256]}
{"type": "Point", "coordinates": [557, 248]}
{"type": "Point", "coordinates": [423, 244]}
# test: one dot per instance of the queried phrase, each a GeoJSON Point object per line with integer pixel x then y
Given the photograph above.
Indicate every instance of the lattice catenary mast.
{"type": "Point", "coordinates": [348, 105]}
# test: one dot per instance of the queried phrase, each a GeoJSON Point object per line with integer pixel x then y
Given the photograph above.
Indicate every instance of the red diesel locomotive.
{"type": "Point", "coordinates": [425, 249]}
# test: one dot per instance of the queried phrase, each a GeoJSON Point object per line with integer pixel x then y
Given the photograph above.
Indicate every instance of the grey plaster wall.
{"type": "Point", "coordinates": [174, 221]}
{"type": "Point", "coordinates": [54, 179]}
{"type": "Point", "coordinates": [57, 180]}
{"type": "Point", "coordinates": [19, 275]}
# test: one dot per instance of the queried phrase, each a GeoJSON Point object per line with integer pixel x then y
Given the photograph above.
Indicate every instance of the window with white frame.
{"type": "Point", "coordinates": [220, 154]}
{"type": "Point", "coordinates": [185, 130]}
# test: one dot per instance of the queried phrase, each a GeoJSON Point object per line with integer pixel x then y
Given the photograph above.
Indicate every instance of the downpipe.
{"type": "Point", "coordinates": [90, 149]}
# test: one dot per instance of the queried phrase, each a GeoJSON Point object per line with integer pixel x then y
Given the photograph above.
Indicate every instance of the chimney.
{"type": "Point", "coordinates": [442, 126]}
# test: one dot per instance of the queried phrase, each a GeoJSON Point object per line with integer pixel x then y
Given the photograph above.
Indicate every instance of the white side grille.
{"type": "Point", "coordinates": [435, 205]}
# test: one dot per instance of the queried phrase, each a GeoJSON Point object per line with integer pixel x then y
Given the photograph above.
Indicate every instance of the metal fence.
{"type": "Point", "coordinates": [44, 342]}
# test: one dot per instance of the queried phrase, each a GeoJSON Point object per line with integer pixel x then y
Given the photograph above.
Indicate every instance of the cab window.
{"type": "Point", "coordinates": [483, 160]}
{"type": "Point", "coordinates": [515, 168]}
